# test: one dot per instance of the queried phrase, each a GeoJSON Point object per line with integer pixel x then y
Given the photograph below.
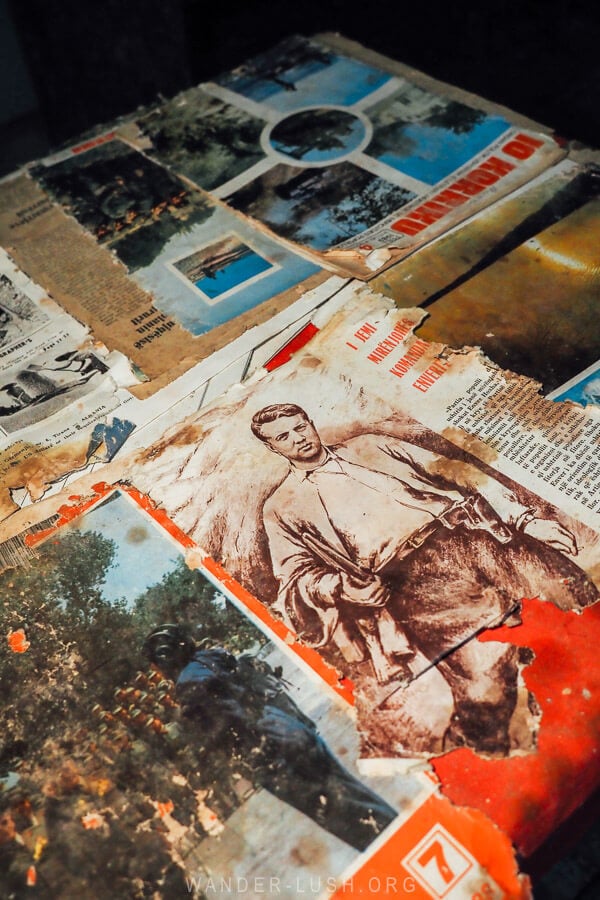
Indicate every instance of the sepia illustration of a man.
{"type": "Point", "coordinates": [381, 551]}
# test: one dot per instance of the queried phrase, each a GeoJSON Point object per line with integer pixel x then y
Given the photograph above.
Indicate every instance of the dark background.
{"type": "Point", "coordinates": [66, 65]}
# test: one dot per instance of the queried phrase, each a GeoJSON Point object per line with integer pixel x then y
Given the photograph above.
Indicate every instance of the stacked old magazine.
{"type": "Point", "coordinates": [299, 492]}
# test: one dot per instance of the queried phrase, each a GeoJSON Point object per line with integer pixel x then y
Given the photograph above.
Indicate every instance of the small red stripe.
{"type": "Point", "coordinates": [296, 343]}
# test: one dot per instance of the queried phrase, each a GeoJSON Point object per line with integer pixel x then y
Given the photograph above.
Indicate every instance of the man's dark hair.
{"type": "Point", "coordinates": [273, 412]}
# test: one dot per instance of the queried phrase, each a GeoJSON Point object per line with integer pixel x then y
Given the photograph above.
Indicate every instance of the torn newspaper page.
{"type": "Point", "coordinates": [197, 757]}
{"type": "Point", "coordinates": [389, 500]}
{"type": "Point", "coordinates": [62, 394]}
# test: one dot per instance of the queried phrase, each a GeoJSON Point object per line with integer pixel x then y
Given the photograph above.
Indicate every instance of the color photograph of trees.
{"type": "Point", "coordinates": [125, 200]}
{"type": "Point", "coordinates": [427, 136]}
{"type": "Point", "coordinates": [94, 773]}
{"type": "Point", "coordinates": [204, 138]}
{"type": "Point", "coordinates": [319, 207]}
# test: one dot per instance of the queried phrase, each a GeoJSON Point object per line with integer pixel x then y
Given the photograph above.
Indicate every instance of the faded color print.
{"type": "Point", "coordinates": [222, 268]}
{"type": "Point", "coordinates": [378, 139]}
{"type": "Point", "coordinates": [127, 767]}
{"type": "Point", "coordinates": [128, 202]}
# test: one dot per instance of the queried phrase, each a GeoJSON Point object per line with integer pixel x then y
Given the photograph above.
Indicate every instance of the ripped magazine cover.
{"type": "Point", "coordinates": [404, 509]}
{"type": "Point", "coordinates": [341, 152]}
{"type": "Point", "coordinates": [158, 738]}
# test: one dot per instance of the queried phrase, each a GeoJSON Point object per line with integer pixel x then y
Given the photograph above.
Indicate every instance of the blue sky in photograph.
{"type": "Point", "coordinates": [586, 391]}
{"type": "Point", "coordinates": [199, 318]}
{"type": "Point", "coordinates": [439, 151]}
{"type": "Point", "coordinates": [317, 232]}
{"type": "Point", "coordinates": [326, 226]}
{"type": "Point", "coordinates": [261, 88]}
{"type": "Point", "coordinates": [342, 83]}
{"type": "Point", "coordinates": [143, 554]}
{"type": "Point", "coordinates": [234, 274]}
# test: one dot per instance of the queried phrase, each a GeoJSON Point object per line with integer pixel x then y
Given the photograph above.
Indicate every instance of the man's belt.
{"type": "Point", "coordinates": [474, 514]}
